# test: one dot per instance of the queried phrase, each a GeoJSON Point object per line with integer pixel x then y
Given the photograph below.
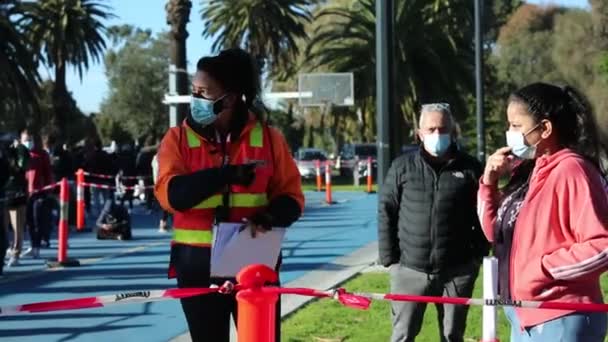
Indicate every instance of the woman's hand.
{"type": "Point", "coordinates": [498, 164]}
{"type": "Point", "coordinates": [259, 223]}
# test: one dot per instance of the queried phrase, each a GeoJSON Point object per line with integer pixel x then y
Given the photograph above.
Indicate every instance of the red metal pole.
{"type": "Point", "coordinates": [328, 182]}
{"type": "Point", "coordinates": [257, 309]}
{"type": "Point", "coordinates": [80, 206]}
{"type": "Point", "coordinates": [62, 245]}
{"type": "Point", "coordinates": [64, 200]}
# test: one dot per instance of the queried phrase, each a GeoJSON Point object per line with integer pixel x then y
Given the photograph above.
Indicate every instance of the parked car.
{"type": "Point", "coordinates": [351, 153]}
{"type": "Point", "coordinates": [306, 158]}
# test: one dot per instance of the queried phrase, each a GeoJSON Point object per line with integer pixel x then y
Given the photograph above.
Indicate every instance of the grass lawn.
{"type": "Point", "coordinates": [328, 321]}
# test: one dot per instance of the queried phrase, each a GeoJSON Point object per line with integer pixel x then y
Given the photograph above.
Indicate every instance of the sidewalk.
{"type": "Point", "coordinates": [317, 242]}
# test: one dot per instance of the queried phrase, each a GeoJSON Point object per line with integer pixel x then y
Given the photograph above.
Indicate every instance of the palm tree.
{"type": "Point", "coordinates": [432, 48]}
{"type": "Point", "coordinates": [69, 32]}
{"type": "Point", "coordinates": [267, 29]}
{"type": "Point", "coordinates": [18, 63]}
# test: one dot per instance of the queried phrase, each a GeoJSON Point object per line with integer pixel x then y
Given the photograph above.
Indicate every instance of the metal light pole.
{"type": "Point", "coordinates": [481, 137]}
{"type": "Point", "coordinates": [384, 83]}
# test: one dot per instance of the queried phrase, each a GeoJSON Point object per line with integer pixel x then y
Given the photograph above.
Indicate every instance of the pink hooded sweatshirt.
{"type": "Point", "coordinates": [560, 239]}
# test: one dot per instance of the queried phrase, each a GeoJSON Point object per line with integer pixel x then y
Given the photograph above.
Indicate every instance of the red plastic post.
{"type": "Point", "coordinates": [64, 200]}
{"type": "Point", "coordinates": [318, 171]}
{"type": "Point", "coordinates": [257, 309]}
{"type": "Point", "coordinates": [62, 245]}
{"type": "Point", "coordinates": [328, 182]}
{"type": "Point", "coordinates": [369, 174]}
{"type": "Point", "coordinates": [80, 209]}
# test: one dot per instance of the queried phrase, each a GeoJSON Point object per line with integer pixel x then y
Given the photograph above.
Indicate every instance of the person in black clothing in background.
{"type": "Point", "coordinates": [16, 191]}
{"type": "Point", "coordinates": [428, 231]}
{"type": "Point", "coordinates": [114, 222]}
{"type": "Point", "coordinates": [96, 160]}
{"type": "Point", "coordinates": [125, 161]}
{"type": "Point", "coordinates": [4, 175]}
{"type": "Point", "coordinates": [144, 168]}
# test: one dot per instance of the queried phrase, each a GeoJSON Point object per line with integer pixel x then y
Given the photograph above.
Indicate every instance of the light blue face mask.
{"type": "Point", "coordinates": [437, 144]}
{"type": "Point", "coordinates": [205, 111]}
{"type": "Point", "coordinates": [517, 142]}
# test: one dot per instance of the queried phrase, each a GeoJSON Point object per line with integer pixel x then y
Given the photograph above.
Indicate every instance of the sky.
{"type": "Point", "coordinates": [150, 14]}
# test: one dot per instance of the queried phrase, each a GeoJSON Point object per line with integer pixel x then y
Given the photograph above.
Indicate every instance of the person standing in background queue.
{"type": "Point", "coordinates": [428, 231]}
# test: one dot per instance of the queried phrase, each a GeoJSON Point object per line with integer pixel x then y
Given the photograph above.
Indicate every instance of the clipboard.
{"type": "Point", "coordinates": [234, 248]}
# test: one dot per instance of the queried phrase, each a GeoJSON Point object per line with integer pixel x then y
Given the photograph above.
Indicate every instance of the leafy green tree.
{"type": "Point", "coordinates": [524, 49]}
{"type": "Point", "coordinates": [574, 52]}
{"type": "Point", "coordinates": [110, 129]}
{"type": "Point", "coordinates": [136, 68]}
{"type": "Point", "coordinates": [291, 127]}
{"type": "Point", "coordinates": [77, 124]}
{"type": "Point", "coordinates": [599, 14]}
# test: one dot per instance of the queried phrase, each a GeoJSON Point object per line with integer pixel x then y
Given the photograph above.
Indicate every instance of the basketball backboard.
{"type": "Point", "coordinates": [335, 89]}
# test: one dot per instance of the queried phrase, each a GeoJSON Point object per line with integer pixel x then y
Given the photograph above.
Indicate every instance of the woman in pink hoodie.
{"type": "Point", "coordinates": [549, 224]}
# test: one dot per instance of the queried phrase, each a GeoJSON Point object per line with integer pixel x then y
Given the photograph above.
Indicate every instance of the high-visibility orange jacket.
{"type": "Point", "coordinates": [183, 151]}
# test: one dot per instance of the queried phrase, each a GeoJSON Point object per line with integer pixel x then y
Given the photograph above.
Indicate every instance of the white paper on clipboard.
{"type": "Point", "coordinates": [232, 250]}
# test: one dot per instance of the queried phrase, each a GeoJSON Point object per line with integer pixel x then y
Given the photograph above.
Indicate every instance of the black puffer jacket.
{"type": "Point", "coordinates": [427, 220]}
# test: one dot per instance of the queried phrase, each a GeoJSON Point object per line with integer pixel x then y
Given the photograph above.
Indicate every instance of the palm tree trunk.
{"type": "Point", "coordinates": [178, 15]}
{"type": "Point", "coordinates": [60, 100]}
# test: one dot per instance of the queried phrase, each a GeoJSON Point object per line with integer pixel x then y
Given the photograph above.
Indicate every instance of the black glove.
{"type": "Point", "coordinates": [242, 174]}
{"type": "Point", "coordinates": [262, 219]}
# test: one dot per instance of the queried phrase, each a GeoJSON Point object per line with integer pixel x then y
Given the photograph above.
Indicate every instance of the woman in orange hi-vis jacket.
{"type": "Point", "coordinates": [223, 164]}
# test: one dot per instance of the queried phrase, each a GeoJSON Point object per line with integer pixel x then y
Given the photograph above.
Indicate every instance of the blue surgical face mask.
{"type": "Point", "coordinates": [517, 143]}
{"type": "Point", "coordinates": [437, 144]}
{"type": "Point", "coordinates": [205, 111]}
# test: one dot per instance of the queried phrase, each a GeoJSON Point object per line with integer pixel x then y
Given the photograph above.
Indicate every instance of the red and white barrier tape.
{"type": "Point", "coordinates": [357, 300]}
{"type": "Point", "coordinates": [98, 175]}
{"type": "Point", "coordinates": [21, 194]}
{"type": "Point", "coordinates": [589, 307]}
{"type": "Point", "coordinates": [112, 187]}
{"type": "Point", "coordinates": [48, 187]}
{"type": "Point", "coordinates": [103, 301]}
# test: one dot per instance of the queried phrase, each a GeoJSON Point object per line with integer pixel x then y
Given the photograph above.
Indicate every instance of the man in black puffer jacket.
{"type": "Point", "coordinates": [428, 231]}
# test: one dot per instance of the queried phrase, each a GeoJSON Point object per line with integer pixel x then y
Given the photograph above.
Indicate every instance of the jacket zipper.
{"type": "Point", "coordinates": [433, 230]}
{"type": "Point", "coordinates": [226, 191]}
{"type": "Point", "coordinates": [436, 179]}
